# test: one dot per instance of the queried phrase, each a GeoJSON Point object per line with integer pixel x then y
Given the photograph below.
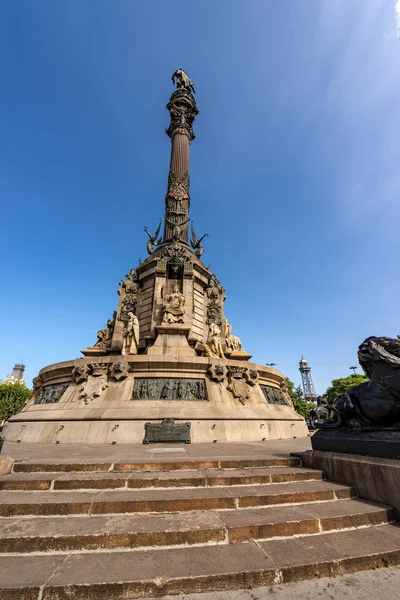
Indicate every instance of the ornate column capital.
{"type": "Point", "coordinates": [183, 111]}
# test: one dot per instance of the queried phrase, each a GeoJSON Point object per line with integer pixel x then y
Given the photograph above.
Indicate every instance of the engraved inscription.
{"type": "Point", "coordinates": [273, 395]}
{"type": "Point", "coordinates": [167, 431]}
{"type": "Point", "coordinates": [166, 388]}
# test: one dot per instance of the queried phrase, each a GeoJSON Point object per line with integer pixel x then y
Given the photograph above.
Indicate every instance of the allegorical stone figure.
{"type": "Point", "coordinates": [104, 336]}
{"type": "Point", "coordinates": [213, 346]}
{"type": "Point", "coordinates": [174, 306]}
{"type": "Point", "coordinates": [232, 341]}
{"type": "Point", "coordinates": [130, 335]}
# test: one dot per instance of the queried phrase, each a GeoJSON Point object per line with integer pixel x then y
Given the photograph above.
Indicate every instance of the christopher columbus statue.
{"type": "Point", "coordinates": [183, 80]}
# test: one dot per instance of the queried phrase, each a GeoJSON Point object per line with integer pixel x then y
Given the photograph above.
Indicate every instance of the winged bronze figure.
{"type": "Point", "coordinates": [196, 243]}
{"type": "Point", "coordinates": [153, 241]}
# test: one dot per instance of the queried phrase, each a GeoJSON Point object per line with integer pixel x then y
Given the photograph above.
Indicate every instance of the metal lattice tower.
{"type": "Point", "coordinates": [308, 385]}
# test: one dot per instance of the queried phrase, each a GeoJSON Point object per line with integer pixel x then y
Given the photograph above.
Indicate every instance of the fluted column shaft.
{"type": "Point", "coordinates": [183, 110]}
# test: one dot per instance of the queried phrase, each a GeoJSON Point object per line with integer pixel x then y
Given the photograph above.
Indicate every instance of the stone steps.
{"type": "Point", "coordinates": [153, 465]}
{"type": "Point", "coordinates": [91, 502]}
{"type": "Point", "coordinates": [122, 530]}
{"type": "Point", "coordinates": [159, 572]}
{"type": "Point", "coordinates": [165, 479]}
{"type": "Point", "coordinates": [71, 533]}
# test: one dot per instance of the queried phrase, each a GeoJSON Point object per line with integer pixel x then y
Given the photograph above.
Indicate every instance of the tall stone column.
{"type": "Point", "coordinates": [183, 110]}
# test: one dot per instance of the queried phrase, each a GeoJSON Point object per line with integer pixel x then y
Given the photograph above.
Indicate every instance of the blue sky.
{"type": "Point", "coordinates": [295, 168]}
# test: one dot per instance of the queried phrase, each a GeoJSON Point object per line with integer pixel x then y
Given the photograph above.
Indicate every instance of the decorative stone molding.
{"type": "Point", "coordinates": [119, 370]}
{"type": "Point", "coordinates": [214, 313]}
{"type": "Point", "coordinates": [80, 373]}
{"type": "Point", "coordinates": [237, 383]}
{"type": "Point", "coordinates": [285, 392]}
{"type": "Point", "coordinates": [98, 369]}
{"type": "Point", "coordinates": [93, 387]}
{"type": "Point", "coordinates": [251, 376]}
{"type": "Point", "coordinates": [130, 285]}
{"type": "Point", "coordinates": [183, 110]}
{"type": "Point", "coordinates": [37, 383]}
{"type": "Point", "coordinates": [217, 372]}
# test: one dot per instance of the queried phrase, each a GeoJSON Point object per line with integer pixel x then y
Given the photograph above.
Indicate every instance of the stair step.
{"type": "Point", "coordinates": [154, 465]}
{"type": "Point", "coordinates": [37, 534]}
{"type": "Point", "coordinates": [159, 572]}
{"type": "Point", "coordinates": [167, 500]}
{"type": "Point", "coordinates": [164, 479]}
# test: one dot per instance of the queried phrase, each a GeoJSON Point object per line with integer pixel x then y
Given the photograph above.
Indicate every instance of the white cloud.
{"type": "Point", "coordinates": [395, 33]}
{"type": "Point", "coordinates": [397, 15]}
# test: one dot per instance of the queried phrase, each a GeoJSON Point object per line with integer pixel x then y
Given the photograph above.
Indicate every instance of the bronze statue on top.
{"type": "Point", "coordinates": [183, 80]}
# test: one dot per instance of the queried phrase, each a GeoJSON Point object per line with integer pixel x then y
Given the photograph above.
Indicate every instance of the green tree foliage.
{"type": "Point", "coordinates": [296, 394]}
{"type": "Point", "coordinates": [13, 397]}
{"type": "Point", "coordinates": [340, 385]}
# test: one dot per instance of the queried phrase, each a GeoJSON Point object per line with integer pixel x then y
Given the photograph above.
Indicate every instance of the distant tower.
{"type": "Point", "coordinates": [17, 375]}
{"type": "Point", "coordinates": [308, 386]}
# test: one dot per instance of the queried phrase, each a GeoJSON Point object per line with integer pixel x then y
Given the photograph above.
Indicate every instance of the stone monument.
{"type": "Point", "coordinates": [168, 356]}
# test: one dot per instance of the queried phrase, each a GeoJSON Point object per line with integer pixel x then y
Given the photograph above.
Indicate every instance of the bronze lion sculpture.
{"type": "Point", "coordinates": [374, 403]}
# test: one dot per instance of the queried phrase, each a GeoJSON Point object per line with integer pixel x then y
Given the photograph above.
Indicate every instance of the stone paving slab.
{"type": "Point", "coordinates": [139, 452]}
{"type": "Point", "coordinates": [367, 585]}
{"type": "Point", "coordinates": [308, 556]}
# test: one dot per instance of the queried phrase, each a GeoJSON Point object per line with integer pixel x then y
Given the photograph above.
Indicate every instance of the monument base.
{"type": "Point", "coordinates": [384, 443]}
{"type": "Point", "coordinates": [110, 401]}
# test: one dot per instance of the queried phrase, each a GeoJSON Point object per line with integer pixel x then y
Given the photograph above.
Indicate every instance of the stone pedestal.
{"type": "Point", "coordinates": [171, 340]}
{"type": "Point", "coordinates": [94, 351]}
{"type": "Point", "coordinates": [239, 355]}
{"type": "Point", "coordinates": [384, 443]}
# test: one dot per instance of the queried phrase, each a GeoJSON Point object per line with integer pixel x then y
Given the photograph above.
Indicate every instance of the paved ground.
{"type": "Point", "coordinates": [368, 585]}
{"type": "Point", "coordinates": [102, 452]}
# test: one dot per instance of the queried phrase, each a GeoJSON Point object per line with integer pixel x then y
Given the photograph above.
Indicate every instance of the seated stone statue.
{"type": "Point", "coordinates": [174, 306]}
{"type": "Point", "coordinates": [213, 347]}
{"type": "Point", "coordinates": [130, 335]}
{"type": "Point", "coordinates": [104, 336]}
{"type": "Point", "coordinates": [375, 402]}
{"type": "Point", "coordinates": [232, 341]}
